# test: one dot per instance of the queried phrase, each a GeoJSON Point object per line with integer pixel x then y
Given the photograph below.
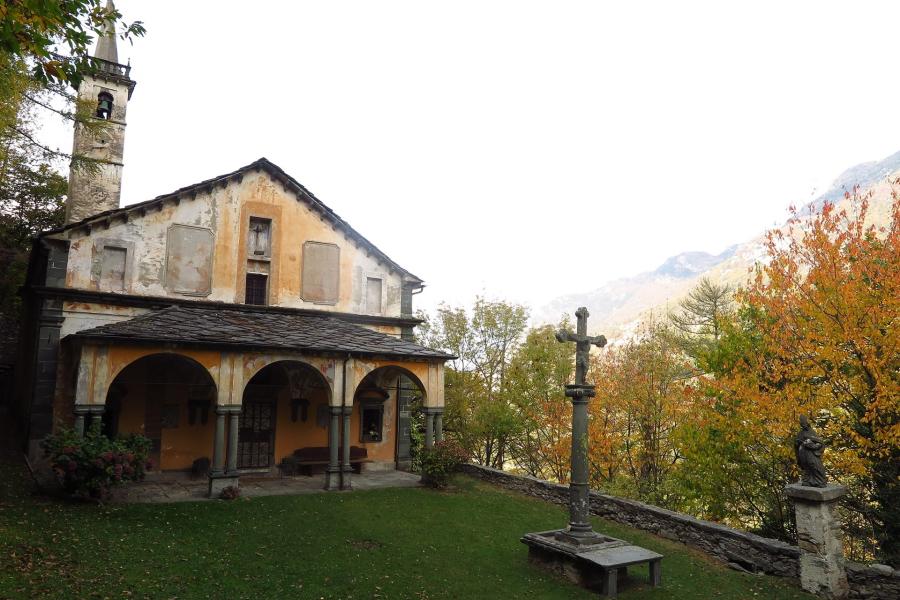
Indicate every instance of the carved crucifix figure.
{"type": "Point", "coordinates": [583, 343]}
{"type": "Point", "coordinates": [260, 233]}
{"type": "Point", "coordinates": [580, 392]}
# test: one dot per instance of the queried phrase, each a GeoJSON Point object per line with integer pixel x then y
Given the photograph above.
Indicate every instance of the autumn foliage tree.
{"type": "Point", "coordinates": [818, 336]}
{"type": "Point", "coordinates": [644, 392]}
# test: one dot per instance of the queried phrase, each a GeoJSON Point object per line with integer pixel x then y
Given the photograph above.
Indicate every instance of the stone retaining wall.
{"type": "Point", "coordinates": [738, 549]}
{"type": "Point", "coordinates": [875, 582]}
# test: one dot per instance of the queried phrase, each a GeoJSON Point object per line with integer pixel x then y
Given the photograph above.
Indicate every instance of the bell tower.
{"type": "Point", "coordinates": [107, 89]}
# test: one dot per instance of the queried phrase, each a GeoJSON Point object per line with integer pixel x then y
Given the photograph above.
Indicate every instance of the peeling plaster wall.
{"type": "Point", "coordinates": [226, 213]}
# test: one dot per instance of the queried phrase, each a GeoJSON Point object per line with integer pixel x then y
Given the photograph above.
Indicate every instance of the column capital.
{"type": "Point", "coordinates": [228, 409]}
{"type": "Point", "coordinates": [433, 410]}
{"type": "Point", "coordinates": [90, 409]}
{"type": "Point", "coordinates": [347, 410]}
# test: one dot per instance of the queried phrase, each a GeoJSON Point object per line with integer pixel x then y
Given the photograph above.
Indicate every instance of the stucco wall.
{"type": "Point", "coordinates": [225, 212]}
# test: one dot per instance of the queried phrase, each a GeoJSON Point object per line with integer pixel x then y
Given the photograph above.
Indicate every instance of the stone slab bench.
{"type": "Point", "coordinates": [304, 459]}
{"type": "Point", "coordinates": [612, 560]}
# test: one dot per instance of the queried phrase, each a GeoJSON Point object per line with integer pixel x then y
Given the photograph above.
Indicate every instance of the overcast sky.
{"type": "Point", "coordinates": [520, 149]}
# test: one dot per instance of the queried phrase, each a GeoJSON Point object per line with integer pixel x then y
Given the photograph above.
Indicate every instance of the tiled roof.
{"type": "Point", "coordinates": [262, 164]}
{"type": "Point", "coordinates": [258, 329]}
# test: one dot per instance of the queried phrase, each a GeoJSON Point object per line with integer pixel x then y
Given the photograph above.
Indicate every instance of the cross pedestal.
{"type": "Point", "coordinates": [584, 556]}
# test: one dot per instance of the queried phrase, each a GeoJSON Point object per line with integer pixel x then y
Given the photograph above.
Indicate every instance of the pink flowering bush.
{"type": "Point", "coordinates": [90, 466]}
{"type": "Point", "coordinates": [440, 461]}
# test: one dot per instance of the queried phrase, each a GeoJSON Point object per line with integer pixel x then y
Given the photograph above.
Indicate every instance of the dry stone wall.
{"type": "Point", "coordinates": [739, 549]}
{"type": "Point", "coordinates": [875, 582]}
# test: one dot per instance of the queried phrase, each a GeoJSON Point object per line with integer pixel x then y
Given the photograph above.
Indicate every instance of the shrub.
{"type": "Point", "coordinates": [230, 493]}
{"type": "Point", "coordinates": [440, 461]}
{"type": "Point", "coordinates": [89, 466]}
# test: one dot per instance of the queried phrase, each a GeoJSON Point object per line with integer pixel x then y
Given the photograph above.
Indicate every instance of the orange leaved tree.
{"type": "Point", "coordinates": [824, 336]}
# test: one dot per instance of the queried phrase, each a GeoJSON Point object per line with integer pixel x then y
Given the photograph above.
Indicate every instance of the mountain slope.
{"type": "Point", "coordinates": [618, 306]}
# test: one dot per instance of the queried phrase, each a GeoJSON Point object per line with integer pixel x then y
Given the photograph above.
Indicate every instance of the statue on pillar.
{"type": "Point", "coordinates": [809, 448]}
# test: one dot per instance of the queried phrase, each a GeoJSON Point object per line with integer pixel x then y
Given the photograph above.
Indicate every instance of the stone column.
{"type": "Point", "coordinates": [233, 425]}
{"type": "Point", "coordinates": [218, 462]}
{"type": "Point", "coordinates": [579, 501]}
{"type": "Point", "coordinates": [81, 410]}
{"type": "Point", "coordinates": [224, 472]}
{"type": "Point", "coordinates": [819, 536]}
{"type": "Point", "coordinates": [439, 425]}
{"type": "Point", "coordinates": [429, 427]}
{"type": "Point", "coordinates": [97, 411]}
{"type": "Point", "coordinates": [333, 471]}
{"type": "Point", "coordinates": [346, 469]}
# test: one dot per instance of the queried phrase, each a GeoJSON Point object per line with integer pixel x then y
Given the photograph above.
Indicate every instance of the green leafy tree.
{"type": "Point", "coordinates": [40, 30]}
{"type": "Point", "coordinates": [535, 388]}
{"type": "Point", "coordinates": [477, 414]}
{"type": "Point", "coordinates": [698, 322]}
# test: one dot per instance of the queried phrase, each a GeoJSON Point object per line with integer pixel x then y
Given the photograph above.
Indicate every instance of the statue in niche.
{"type": "Point", "coordinates": [809, 448]}
{"type": "Point", "coordinates": [259, 237]}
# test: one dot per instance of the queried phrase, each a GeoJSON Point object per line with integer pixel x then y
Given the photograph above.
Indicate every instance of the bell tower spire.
{"type": "Point", "coordinates": [106, 45]}
{"type": "Point", "coordinates": [97, 187]}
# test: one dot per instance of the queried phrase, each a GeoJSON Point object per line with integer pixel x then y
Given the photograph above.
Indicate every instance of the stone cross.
{"type": "Point", "coordinates": [580, 393]}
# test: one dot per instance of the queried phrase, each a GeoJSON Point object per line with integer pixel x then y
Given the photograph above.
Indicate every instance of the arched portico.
{"type": "Point", "coordinates": [321, 378]}
{"type": "Point", "coordinates": [168, 398]}
{"type": "Point", "coordinates": [284, 407]}
{"type": "Point", "coordinates": [383, 402]}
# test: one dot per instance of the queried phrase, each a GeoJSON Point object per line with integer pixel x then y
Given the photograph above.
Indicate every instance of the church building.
{"type": "Point", "coordinates": [237, 322]}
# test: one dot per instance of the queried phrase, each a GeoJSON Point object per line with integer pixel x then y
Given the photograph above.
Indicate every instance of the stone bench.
{"type": "Point", "coordinates": [612, 560]}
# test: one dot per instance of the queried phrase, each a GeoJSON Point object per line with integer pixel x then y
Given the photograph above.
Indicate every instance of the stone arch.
{"type": "Point", "coordinates": [285, 407]}
{"type": "Point", "coordinates": [384, 371]}
{"type": "Point", "coordinates": [255, 367]}
{"type": "Point", "coordinates": [383, 400]}
{"type": "Point", "coordinates": [170, 398]}
{"type": "Point", "coordinates": [120, 359]}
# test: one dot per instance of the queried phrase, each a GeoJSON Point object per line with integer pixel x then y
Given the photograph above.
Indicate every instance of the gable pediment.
{"type": "Point", "coordinates": [274, 187]}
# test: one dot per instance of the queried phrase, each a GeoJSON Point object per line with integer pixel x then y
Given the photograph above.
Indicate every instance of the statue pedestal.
{"type": "Point", "coordinates": [819, 537]}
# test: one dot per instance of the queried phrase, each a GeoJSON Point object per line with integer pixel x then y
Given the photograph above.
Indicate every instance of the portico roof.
{"type": "Point", "coordinates": [241, 327]}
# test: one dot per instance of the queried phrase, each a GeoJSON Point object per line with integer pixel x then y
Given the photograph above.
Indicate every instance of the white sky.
{"type": "Point", "coordinates": [522, 149]}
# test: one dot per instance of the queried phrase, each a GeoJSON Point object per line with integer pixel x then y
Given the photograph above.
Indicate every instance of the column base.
{"type": "Point", "coordinates": [332, 480]}
{"type": "Point", "coordinates": [218, 482]}
{"type": "Point", "coordinates": [346, 479]}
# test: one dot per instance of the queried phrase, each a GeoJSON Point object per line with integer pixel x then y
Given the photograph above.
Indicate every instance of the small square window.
{"type": "Point", "coordinates": [371, 423]}
{"type": "Point", "coordinates": [256, 289]}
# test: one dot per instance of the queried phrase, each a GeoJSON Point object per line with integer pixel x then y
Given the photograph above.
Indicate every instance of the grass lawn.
{"type": "Point", "coordinates": [392, 543]}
